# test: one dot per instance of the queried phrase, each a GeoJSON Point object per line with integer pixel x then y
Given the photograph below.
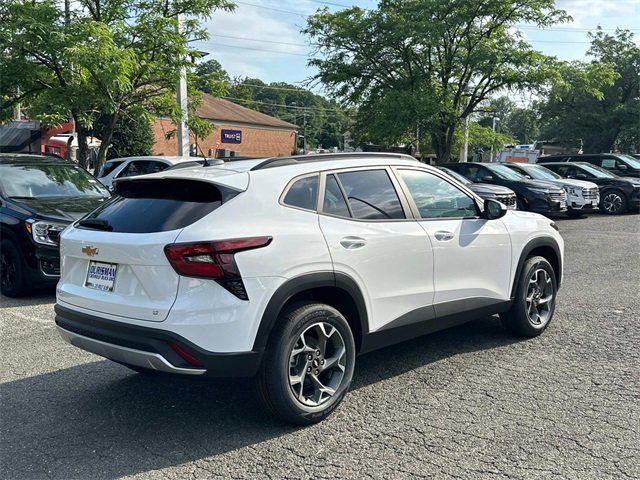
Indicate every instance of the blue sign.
{"type": "Point", "coordinates": [231, 136]}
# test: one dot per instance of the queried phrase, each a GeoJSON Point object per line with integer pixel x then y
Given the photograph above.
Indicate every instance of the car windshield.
{"type": "Point", "coordinates": [48, 180]}
{"type": "Point", "coordinates": [629, 160]}
{"type": "Point", "coordinates": [456, 175]}
{"type": "Point", "coordinates": [597, 171]}
{"type": "Point", "coordinates": [504, 172]}
{"type": "Point", "coordinates": [539, 172]}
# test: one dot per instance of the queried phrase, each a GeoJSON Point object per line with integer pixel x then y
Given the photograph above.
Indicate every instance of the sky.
{"type": "Point", "coordinates": [262, 38]}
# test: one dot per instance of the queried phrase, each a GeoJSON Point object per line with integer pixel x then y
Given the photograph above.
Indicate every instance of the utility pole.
{"type": "Point", "coordinates": [464, 148]}
{"type": "Point", "coordinates": [181, 97]}
{"type": "Point", "coordinates": [493, 126]}
{"type": "Point", "coordinates": [304, 139]}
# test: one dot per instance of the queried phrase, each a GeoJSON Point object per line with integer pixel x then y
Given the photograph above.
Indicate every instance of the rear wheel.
{"type": "Point", "coordinates": [12, 270]}
{"type": "Point", "coordinates": [535, 300]}
{"type": "Point", "coordinates": [613, 202]}
{"type": "Point", "coordinates": [308, 366]}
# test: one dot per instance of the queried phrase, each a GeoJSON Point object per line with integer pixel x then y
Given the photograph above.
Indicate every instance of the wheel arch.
{"type": "Point", "coordinates": [545, 247]}
{"type": "Point", "coordinates": [335, 289]}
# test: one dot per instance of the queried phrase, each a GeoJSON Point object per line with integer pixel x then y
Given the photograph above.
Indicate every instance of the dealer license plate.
{"type": "Point", "coordinates": [101, 276]}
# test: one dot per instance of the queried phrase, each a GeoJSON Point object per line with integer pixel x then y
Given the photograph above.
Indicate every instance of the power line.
{"type": "Point", "coordinates": [534, 27]}
{"type": "Point", "coordinates": [256, 49]}
{"type": "Point", "coordinates": [258, 40]}
{"type": "Point", "coordinates": [295, 107]}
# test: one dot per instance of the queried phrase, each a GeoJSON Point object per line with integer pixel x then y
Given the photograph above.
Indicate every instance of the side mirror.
{"type": "Point", "coordinates": [494, 209]}
{"type": "Point", "coordinates": [487, 178]}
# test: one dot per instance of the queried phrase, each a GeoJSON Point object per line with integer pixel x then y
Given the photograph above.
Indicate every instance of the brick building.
{"type": "Point", "coordinates": [247, 132]}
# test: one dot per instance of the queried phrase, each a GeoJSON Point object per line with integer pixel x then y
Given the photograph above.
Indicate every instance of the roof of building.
{"type": "Point", "coordinates": [221, 110]}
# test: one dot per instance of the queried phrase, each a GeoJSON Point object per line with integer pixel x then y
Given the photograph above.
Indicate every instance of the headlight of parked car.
{"type": "Point", "coordinates": [573, 190]}
{"type": "Point", "coordinates": [45, 232]}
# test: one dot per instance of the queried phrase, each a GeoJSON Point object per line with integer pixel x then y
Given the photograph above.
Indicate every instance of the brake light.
{"type": "Point", "coordinates": [214, 260]}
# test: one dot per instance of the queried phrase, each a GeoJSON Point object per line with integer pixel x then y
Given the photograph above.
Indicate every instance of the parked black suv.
{"type": "Point", "coordinates": [39, 196]}
{"type": "Point", "coordinates": [618, 163]}
{"type": "Point", "coordinates": [495, 192]}
{"type": "Point", "coordinates": [617, 194]}
{"type": "Point", "coordinates": [532, 195]}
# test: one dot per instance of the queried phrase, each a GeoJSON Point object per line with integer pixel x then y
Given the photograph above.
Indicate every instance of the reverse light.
{"type": "Point", "coordinates": [214, 260]}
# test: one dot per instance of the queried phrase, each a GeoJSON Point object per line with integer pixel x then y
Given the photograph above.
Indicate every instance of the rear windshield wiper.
{"type": "Point", "coordinates": [96, 224]}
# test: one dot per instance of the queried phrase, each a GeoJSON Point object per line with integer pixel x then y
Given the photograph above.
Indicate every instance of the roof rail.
{"type": "Point", "coordinates": [292, 160]}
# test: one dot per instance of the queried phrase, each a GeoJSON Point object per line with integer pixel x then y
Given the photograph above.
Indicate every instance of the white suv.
{"type": "Point", "coordinates": [287, 268]}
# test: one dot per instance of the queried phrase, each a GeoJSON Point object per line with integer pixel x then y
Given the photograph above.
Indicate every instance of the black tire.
{"type": "Point", "coordinates": [613, 202]}
{"type": "Point", "coordinates": [13, 282]}
{"type": "Point", "coordinates": [273, 379]}
{"type": "Point", "coordinates": [518, 319]}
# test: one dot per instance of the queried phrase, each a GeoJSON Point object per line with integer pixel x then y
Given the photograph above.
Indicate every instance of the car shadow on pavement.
{"type": "Point", "coordinates": [99, 420]}
{"type": "Point", "coordinates": [45, 296]}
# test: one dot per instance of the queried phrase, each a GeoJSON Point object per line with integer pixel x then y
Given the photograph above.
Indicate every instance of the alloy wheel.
{"type": "Point", "coordinates": [612, 202]}
{"type": "Point", "coordinates": [317, 364]}
{"type": "Point", "coordinates": [540, 297]}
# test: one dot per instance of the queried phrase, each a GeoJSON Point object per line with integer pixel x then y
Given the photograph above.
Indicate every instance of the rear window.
{"type": "Point", "coordinates": [109, 167]}
{"type": "Point", "coordinates": [146, 206]}
{"type": "Point", "coordinates": [303, 193]}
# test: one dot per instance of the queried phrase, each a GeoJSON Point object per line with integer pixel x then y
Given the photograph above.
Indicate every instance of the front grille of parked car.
{"type": "Point", "coordinates": [590, 193]}
{"type": "Point", "coordinates": [558, 196]}
{"type": "Point", "coordinates": [509, 200]}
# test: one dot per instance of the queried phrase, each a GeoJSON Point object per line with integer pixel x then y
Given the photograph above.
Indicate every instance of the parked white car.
{"type": "Point", "coordinates": [582, 196]}
{"type": "Point", "coordinates": [287, 268]}
{"type": "Point", "coordinates": [134, 166]}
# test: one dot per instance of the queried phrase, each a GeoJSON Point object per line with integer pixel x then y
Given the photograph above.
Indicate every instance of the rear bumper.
{"type": "Point", "coordinates": [149, 347]}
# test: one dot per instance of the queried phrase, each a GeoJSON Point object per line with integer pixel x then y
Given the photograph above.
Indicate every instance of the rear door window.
{"type": "Point", "coordinates": [146, 206]}
{"type": "Point", "coordinates": [303, 193]}
{"type": "Point", "coordinates": [371, 195]}
{"type": "Point", "coordinates": [109, 167]}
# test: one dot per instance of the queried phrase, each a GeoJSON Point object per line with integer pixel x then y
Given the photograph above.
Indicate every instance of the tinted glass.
{"type": "Point", "coordinates": [46, 180]}
{"type": "Point", "coordinates": [148, 206]}
{"type": "Point", "coordinates": [436, 198]}
{"type": "Point", "coordinates": [109, 167]}
{"type": "Point", "coordinates": [371, 195]}
{"type": "Point", "coordinates": [475, 173]}
{"type": "Point", "coordinates": [539, 173]}
{"type": "Point", "coordinates": [596, 171]}
{"type": "Point", "coordinates": [631, 161]}
{"type": "Point", "coordinates": [303, 193]}
{"type": "Point", "coordinates": [504, 172]}
{"type": "Point", "coordinates": [334, 202]}
{"type": "Point", "coordinates": [456, 175]}
{"type": "Point", "coordinates": [142, 167]}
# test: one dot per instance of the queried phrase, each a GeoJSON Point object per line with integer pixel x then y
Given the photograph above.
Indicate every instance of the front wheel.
{"type": "Point", "coordinates": [613, 202]}
{"type": "Point", "coordinates": [12, 270]}
{"type": "Point", "coordinates": [535, 300]}
{"type": "Point", "coordinates": [308, 365]}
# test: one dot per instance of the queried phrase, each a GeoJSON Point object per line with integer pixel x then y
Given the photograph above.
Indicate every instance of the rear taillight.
{"type": "Point", "coordinates": [214, 260]}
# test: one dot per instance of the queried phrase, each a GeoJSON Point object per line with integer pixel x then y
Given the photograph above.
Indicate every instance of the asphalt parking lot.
{"type": "Point", "coordinates": [471, 402]}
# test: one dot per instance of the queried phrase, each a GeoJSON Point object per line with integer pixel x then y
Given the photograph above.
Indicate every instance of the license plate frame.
{"type": "Point", "coordinates": [103, 281]}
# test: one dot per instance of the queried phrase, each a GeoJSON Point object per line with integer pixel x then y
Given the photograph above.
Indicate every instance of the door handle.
{"type": "Point", "coordinates": [351, 243]}
{"type": "Point", "coordinates": [443, 236]}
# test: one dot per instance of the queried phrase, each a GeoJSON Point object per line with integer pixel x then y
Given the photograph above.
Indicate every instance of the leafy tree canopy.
{"type": "Point", "coordinates": [97, 57]}
{"type": "Point", "coordinates": [424, 65]}
{"type": "Point", "coordinates": [597, 102]}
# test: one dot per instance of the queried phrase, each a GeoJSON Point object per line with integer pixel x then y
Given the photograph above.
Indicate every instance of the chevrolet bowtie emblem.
{"type": "Point", "coordinates": [90, 251]}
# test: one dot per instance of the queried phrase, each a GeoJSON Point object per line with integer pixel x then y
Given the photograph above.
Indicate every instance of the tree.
{"type": "Point", "coordinates": [439, 60]}
{"type": "Point", "coordinates": [97, 57]}
{"type": "Point", "coordinates": [598, 102]}
{"type": "Point", "coordinates": [132, 134]}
